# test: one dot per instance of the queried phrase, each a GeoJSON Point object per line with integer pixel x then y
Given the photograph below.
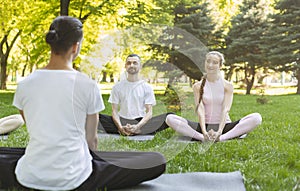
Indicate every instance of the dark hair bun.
{"type": "Point", "coordinates": [51, 37]}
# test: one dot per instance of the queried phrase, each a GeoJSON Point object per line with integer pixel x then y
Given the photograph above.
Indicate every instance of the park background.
{"type": "Point", "coordinates": [260, 41]}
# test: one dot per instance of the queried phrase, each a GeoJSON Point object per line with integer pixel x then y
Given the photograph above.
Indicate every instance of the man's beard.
{"type": "Point", "coordinates": [132, 71]}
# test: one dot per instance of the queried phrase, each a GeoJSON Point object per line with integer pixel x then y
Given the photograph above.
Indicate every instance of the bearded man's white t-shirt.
{"type": "Point", "coordinates": [132, 97]}
{"type": "Point", "coordinates": [55, 105]}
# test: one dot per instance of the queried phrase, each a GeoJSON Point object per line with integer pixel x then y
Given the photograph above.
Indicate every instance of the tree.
{"type": "Point", "coordinates": [23, 25]}
{"type": "Point", "coordinates": [64, 7]}
{"type": "Point", "coordinates": [11, 20]}
{"type": "Point", "coordinates": [244, 51]}
{"type": "Point", "coordinates": [187, 42]}
{"type": "Point", "coordinates": [6, 46]}
{"type": "Point", "coordinates": [197, 21]}
{"type": "Point", "coordinates": [284, 38]}
{"type": "Point", "coordinates": [100, 17]}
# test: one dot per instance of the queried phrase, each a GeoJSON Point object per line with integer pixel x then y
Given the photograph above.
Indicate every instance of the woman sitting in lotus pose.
{"type": "Point", "coordinates": [213, 98]}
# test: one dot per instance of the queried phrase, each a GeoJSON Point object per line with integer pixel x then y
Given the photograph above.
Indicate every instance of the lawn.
{"type": "Point", "coordinates": [267, 157]}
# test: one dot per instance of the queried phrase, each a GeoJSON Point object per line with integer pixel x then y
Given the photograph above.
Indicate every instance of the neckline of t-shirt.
{"type": "Point", "coordinates": [214, 81]}
{"type": "Point", "coordinates": [56, 71]}
{"type": "Point", "coordinates": [139, 81]}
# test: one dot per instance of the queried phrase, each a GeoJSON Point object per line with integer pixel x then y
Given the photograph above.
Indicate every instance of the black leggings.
{"type": "Point", "coordinates": [154, 125]}
{"type": "Point", "coordinates": [215, 127]}
{"type": "Point", "coordinates": [111, 170]}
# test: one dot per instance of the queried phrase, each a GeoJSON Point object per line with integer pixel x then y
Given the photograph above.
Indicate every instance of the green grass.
{"type": "Point", "coordinates": [268, 157]}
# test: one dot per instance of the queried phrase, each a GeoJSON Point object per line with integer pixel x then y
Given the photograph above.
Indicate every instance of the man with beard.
{"type": "Point", "coordinates": [132, 100]}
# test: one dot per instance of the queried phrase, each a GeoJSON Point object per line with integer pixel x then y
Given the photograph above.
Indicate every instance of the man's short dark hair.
{"type": "Point", "coordinates": [133, 55]}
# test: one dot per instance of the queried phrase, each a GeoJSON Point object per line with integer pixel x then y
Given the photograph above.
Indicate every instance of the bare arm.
{"type": "Point", "coordinates": [147, 117]}
{"type": "Point", "coordinates": [200, 109]}
{"type": "Point", "coordinates": [116, 119]}
{"type": "Point", "coordinates": [91, 131]}
{"type": "Point", "coordinates": [228, 97]}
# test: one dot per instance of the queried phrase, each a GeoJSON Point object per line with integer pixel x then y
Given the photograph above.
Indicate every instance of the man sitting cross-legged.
{"type": "Point", "coordinates": [132, 100]}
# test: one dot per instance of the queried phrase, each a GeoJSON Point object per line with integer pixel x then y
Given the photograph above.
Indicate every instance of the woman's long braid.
{"type": "Point", "coordinates": [202, 88]}
{"type": "Point", "coordinates": [201, 91]}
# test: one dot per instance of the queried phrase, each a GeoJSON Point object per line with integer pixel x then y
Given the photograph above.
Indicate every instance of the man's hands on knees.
{"type": "Point", "coordinates": [128, 130]}
{"type": "Point", "coordinates": [134, 129]}
{"type": "Point", "coordinates": [122, 130]}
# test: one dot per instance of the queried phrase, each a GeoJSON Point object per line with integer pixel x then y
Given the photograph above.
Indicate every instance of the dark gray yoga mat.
{"type": "Point", "coordinates": [193, 181]}
{"type": "Point", "coordinates": [134, 138]}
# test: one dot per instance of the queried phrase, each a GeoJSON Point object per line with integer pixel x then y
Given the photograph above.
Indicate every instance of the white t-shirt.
{"type": "Point", "coordinates": [55, 105]}
{"type": "Point", "coordinates": [132, 97]}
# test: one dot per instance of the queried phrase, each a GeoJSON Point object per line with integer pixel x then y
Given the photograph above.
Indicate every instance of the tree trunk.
{"type": "Point", "coordinates": [4, 57]}
{"type": "Point", "coordinates": [261, 79]}
{"type": "Point", "coordinates": [250, 81]}
{"type": "Point", "coordinates": [229, 73]}
{"type": "Point", "coordinates": [3, 74]}
{"type": "Point", "coordinates": [298, 79]}
{"type": "Point", "coordinates": [249, 87]}
{"type": "Point", "coordinates": [64, 7]}
{"type": "Point", "coordinates": [111, 76]}
{"type": "Point", "coordinates": [104, 78]}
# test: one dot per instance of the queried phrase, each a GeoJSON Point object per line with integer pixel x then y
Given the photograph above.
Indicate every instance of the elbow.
{"type": "Point", "coordinates": [226, 110]}
{"type": "Point", "coordinates": [149, 114]}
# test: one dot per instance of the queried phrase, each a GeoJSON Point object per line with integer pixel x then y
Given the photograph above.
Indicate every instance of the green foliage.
{"type": "Point", "coordinates": [262, 99]}
{"type": "Point", "coordinates": [187, 43]}
{"type": "Point", "coordinates": [223, 11]}
{"type": "Point", "coordinates": [244, 40]}
{"type": "Point", "coordinates": [283, 47]}
{"type": "Point", "coordinates": [196, 20]}
{"type": "Point", "coordinates": [114, 19]}
{"type": "Point", "coordinates": [284, 35]}
{"type": "Point", "coordinates": [247, 45]}
{"type": "Point", "coordinates": [172, 98]}
{"type": "Point", "coordinates": [9, 32]}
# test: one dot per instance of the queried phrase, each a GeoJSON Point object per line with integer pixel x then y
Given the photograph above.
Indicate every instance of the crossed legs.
{"type": "Point", "coordinates": [154, 125]}
{"type": "Point", "coordinates": [245, 125]}
{"type": "Point", "coordinates": [115, 170]}
{"type": "Point", "coordinates": [111, 170]}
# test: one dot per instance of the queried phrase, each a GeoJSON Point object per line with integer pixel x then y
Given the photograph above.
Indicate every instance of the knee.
{"type": "Point", "coordinates": [20, 120]}
{"type": "Point", "coordinates": [161, 159]}
{"type": "Point", "coordinates": [257, 119]}
{"type": "Point", "coordinates": [157, 160]}
{"type": "Point", "coordinates": [17, 120]}
{"type": "Point", "coordinates": [170, 119]}
{"type": "Point", "coordinates": [162, 162]}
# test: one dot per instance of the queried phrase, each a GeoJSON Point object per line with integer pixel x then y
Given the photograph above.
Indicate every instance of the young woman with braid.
{"type": "Point", "coordinates": [213, 98]}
